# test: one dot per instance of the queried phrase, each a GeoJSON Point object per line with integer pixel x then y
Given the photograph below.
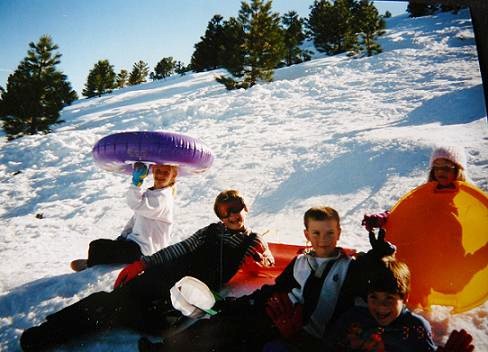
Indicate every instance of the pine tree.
{"type": "Point", "coordinates": [181, 68]}
{"type": "Point", "coordinates": [208, 52]}
{"type": "Point", "coordinates": [35, 92]}
{"type": "Point", "coordinates": [263, 44]}
{"type": "Point", "coordinates": [101, 79]}
{"type": "Point", "coordinates": [233, 49]}
{"type": "Point", "coordinates": [370, 25]}
{"type": "Point", "coordinates": [419, 9]}
{"type": "Point", "coordinates": [122, 78]}
{"type": "Point", "coordinates": [164, 68]}
{"type": "Point", "coordinates": [293, 38]}
{"type": "Point", "coordinates": [332, 26]}
{"type": "Point", "coordinates": [221, 46]}
{"type": "Point", "coordinates": [139, 73]}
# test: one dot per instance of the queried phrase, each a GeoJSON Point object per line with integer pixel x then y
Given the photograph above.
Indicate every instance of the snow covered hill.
{"type": "Point", "coordinates": [355, 134]}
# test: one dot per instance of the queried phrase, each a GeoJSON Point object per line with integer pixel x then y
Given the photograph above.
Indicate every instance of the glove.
{"type": "Point", "coordinates": [288, 318]}
{"type": "Point", "coordinates": [380, 246]}
{"type": "Point", "coordinates": [371, 221]}
{"type": "Point", "coordinates": [139, 173]}
{"type": "Point", "coordinates": [129, 272]}
{"type": "Point", "coordinates": [458, 341]}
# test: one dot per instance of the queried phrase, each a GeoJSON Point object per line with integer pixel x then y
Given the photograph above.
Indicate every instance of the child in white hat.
{"type": "Point", "coordinates": [447, 164]}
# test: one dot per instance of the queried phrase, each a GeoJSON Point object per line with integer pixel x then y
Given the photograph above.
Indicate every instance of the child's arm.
{"type": "Point", "coordinates": [149, 206]}
{"type": "Point", "coordinates": [258, 256]}
{"type": "Point", "coordinates": [167, 254]}
{"type": "Point", "coordinates": [182, 248]}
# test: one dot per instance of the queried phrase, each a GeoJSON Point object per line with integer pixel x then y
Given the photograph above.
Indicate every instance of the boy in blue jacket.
{"type": "Point", "coordinates": [386, 324]}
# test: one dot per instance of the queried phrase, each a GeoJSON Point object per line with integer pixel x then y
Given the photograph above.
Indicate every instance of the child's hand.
{"type": "Point", "coordinates": [139, 173]}
{"type": "Point", "coordinates": [380, 246]}
{"type": "Point", "coordinates": [372, 221]}
{"type": "Point", "coordinates": [130, 272]}
{"type": "Point", "coordinates": [288, 318]}
{"type": "Point", "coordinates": [459, 341]}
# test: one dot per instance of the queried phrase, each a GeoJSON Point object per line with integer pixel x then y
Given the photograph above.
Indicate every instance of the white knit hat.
{"type": "Point", "coordinates": [452, 153]}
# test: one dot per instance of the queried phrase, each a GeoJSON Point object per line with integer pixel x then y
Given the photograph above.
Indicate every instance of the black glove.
{"type": "Point", "coordinates": [381, 247]}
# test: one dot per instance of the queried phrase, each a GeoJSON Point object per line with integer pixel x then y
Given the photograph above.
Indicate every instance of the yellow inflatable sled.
{"type": "Point", "coordinates": [443, 237]}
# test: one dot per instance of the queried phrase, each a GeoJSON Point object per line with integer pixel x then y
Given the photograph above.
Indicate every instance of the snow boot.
{"type": "Point", "coordinates": [79, 264]}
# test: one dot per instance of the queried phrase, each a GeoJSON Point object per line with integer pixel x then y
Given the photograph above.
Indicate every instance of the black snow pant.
{"type": "Point", "coordinates": [245, 331]}
{"type": "Point", "coordinates": [143, 304]}
{"type": "Point", "coordinates": [104, 251]}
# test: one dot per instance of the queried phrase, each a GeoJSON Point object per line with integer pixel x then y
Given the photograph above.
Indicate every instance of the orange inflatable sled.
{"type": "Point", "coordinates": [443, 237]}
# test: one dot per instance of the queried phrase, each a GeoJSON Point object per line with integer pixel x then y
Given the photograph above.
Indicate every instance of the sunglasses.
{"type": "Point", "coordinates": [445, 168]}
{"type": "Point", "coordinates": [227, 209]}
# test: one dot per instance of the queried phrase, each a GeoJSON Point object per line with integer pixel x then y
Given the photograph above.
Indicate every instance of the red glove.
{"type": "Point", "coordinates": [129, 272]}
{"type": "Point", "coordinates": [286, 316]}
{"type": "Point", "coordinates": [372, 221]}
{"type": "Point", "coordinates": [458, 341]}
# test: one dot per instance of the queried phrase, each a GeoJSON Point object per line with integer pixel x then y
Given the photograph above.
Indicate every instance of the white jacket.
{"type": "Point", "coordinates": [153, 217]}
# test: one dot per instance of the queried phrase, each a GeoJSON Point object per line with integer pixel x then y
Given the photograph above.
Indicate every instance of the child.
{"type": "Point", "coordinates": [447, 164]}
{"type": "Point", "coordinates": [386, 324]}
{"type": "Point", "coordinates": [314, 289]}
{"type": "Point", "coordinates": [433, 257]}
{"type": "Point", "coordinates": [148, 230]}
{"type": "Point", "coordinates": [141, 299]}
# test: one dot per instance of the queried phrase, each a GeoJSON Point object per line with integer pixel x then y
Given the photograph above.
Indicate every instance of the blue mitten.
{"type": "Point", "coordinates": [139, 174]}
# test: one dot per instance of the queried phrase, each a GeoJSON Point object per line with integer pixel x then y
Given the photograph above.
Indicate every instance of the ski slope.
{"type": "Point", "coordinates": [355, 134]}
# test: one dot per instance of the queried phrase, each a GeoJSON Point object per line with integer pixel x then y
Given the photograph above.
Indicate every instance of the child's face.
{"type": "Point", "coordinates": [445, 171]}
{"type": "Point", "coordinates": [323, 235]}
{"type": "Point", "coordinates": [385, 307]}
{"type": "Point", "coordinates": [163, 175]}
{"type": "Point", "coordinates": [233, 215]}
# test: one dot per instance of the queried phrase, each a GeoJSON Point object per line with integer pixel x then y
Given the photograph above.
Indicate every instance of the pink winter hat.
{"type": "Point", "coordinates": [452, 153]}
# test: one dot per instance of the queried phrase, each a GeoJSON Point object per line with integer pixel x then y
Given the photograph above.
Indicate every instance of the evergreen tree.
{"type": "Point", "coordinates": [122, 78]}
{"type": "Point", "coordinates": [293, 38]}
{"type": "Point", "coordinates": [419, 9]}
{"type": "Point", "coordinates": [35, 92]}
{"type": "Point", "coordinates": [164, 68]}
{"type": "Point", "coordinates": [139, 73]}
{"type": "Point", "coordinates": [209, 51]}
{"type": "Point", "coordinates": [387, 14]}
{"type": "Point", "coordinates": [234, 50]}
{"type": "Point", "coordinates": [263, 44]}
{"type": "Point", "coordinates": [332, 26]}
{"type": "Point", "coordinates": [221, 46]}
{"type": "Point", "coordinates": [181, 69]}
{"type": "Point", "coordinates": [101, 79]}
{"type": "Point", "coordinates": [370, 25]}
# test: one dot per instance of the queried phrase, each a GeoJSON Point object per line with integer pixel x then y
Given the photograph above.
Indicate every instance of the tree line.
{"type": "Point", "coordinates": [249, 47]}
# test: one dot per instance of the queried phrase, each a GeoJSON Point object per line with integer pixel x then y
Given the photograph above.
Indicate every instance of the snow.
{"type": "Point", "coordinates": [355, 134]}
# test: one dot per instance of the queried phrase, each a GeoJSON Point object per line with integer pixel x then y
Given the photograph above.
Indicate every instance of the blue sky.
{"type": "Point", "coordinates": [122, 31]}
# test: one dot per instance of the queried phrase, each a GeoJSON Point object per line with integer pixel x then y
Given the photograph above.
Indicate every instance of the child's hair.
{"type": "Point", "coordinates": [321, 213]}
{"type": "Point", "coordinates": [228, 196]}
{"type": "Point", "coordinates": [454, 154]}
{"type": "Point", "coordinates": [389, 275]}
